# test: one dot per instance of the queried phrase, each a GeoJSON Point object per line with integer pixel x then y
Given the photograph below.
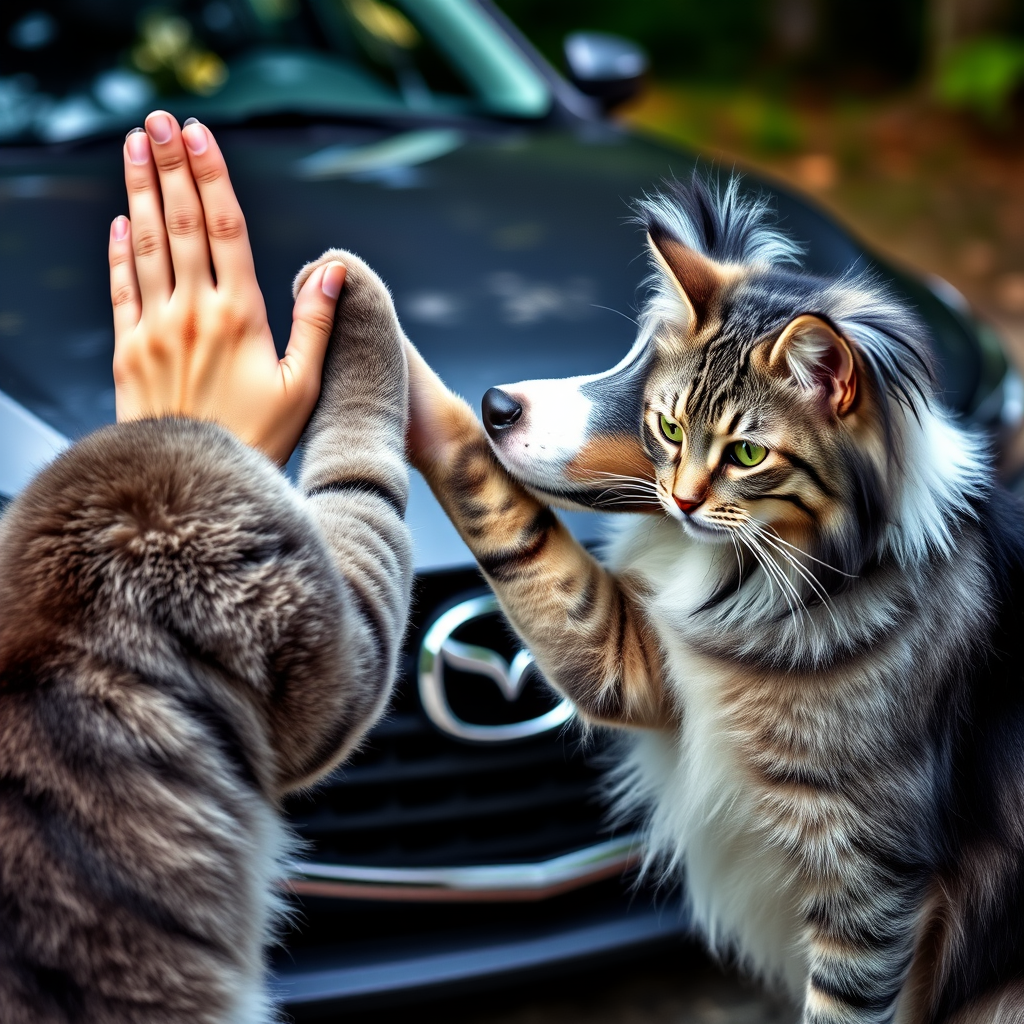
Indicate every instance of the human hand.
{"type": "Point", "coordinates": [191, 336]}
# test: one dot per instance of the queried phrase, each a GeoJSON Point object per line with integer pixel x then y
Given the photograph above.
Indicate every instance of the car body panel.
{"type": "Point", "coordinates": [303, 982]}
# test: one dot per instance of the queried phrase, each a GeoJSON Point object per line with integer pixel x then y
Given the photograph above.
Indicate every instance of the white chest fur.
{"type": "Point", "coordinates": [703, 806]}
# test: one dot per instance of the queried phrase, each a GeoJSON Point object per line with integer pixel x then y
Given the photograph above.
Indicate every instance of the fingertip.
{"type": "Point", "coordinates": [137, 146]}
{"type": "Point", "coordinates": [311, 285]}
{"type": "Point", "coordinates": [119, 229]}
{"type": "Point", "coordinates": [160, 126]}
{"type": "Point", "coordinates": [332, 280]}
{"type": "Point", "coordinates": [196, 137]}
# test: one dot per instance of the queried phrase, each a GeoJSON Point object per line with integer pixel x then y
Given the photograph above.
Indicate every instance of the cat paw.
{"type": "Point", "coordinates": [366, 350]}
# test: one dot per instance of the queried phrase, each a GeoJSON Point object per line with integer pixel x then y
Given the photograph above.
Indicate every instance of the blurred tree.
{"type": "Point", "coordinates": [846, 43]}
{"type": "Point", "coordinates": [976, 55]}
{"type": "Point", "coordinates": [982, 75]}
{"type": "Point", "coordinates": [952, 22]}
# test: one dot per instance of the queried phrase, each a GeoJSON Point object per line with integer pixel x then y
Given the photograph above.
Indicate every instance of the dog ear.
{"type": "Point", "coordinates": [697, 278]}
{"type": "Point", "coordinates": [817, 356]}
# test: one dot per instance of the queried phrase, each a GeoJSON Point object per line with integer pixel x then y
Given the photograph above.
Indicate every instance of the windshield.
{"type": "Point", "coordinates": [73, 68]}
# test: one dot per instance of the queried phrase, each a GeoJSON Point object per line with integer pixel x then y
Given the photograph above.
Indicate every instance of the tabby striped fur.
{"type": "Point", "coordinates": [820, 655]}
{"type": "Point", "coordinates": [185, 639]}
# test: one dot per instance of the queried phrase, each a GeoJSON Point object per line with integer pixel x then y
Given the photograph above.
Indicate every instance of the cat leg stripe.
{"type": "Point", "coordinates": [504, 565]}
{"type": "Point", "coordinates": [870, 1008]}
{"type": "Point", "coordinates": [363, 486]}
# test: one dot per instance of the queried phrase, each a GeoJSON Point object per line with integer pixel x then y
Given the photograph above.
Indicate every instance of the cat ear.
{"type": "Point", "coordinates": [817, 356]}
{"type": "Point", "coordinates": [697, 278]}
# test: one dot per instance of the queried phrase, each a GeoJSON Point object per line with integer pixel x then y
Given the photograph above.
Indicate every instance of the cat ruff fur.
{"type": "Point", "coordinates": [186, 639]}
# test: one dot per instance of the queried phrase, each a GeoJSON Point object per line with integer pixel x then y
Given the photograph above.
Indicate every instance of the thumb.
{"type": "Point", "coordinates": [312, 322]}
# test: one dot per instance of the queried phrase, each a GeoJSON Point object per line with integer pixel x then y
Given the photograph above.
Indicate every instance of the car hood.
{"type": "Point", "coordinates": [509, 252]}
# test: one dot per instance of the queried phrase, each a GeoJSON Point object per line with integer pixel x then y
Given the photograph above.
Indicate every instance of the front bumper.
{"type": "Point", "coordinates": [455, 951]}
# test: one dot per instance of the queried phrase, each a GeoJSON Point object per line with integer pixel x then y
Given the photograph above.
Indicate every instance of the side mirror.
{"type": "Point", "coordinates": [607, 67]}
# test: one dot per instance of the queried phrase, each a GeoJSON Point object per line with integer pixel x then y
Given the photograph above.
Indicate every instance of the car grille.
{"type": "Point", "coordinates": [413, 797]}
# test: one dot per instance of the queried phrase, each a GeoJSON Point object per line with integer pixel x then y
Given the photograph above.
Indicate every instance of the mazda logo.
{"type": "Point", "coordinates": [440, 650]}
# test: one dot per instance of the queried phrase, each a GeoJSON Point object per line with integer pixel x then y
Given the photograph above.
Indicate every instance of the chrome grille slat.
{"type": "Point", "coordinates": [456, 851]}
{"type": "Point", "coordinates": [391, 770]}
{"type": "Point", "coordinates": [451, 810]}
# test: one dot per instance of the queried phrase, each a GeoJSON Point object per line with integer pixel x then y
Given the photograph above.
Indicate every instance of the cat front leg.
{"type": "Point", "coordinates": [860, 957]}
{"type": "Point", "coordinates": [862, 915]}
{"type": "Point", "coordinates": [585, 626]}
{"type": "Point", "coordinates": [355, 485]}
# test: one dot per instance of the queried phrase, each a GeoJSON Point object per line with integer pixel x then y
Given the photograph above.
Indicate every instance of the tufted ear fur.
{"type": "Point", "coordinates": [817, 357]}
{"type": "Point", "coordinates": [696, 277]}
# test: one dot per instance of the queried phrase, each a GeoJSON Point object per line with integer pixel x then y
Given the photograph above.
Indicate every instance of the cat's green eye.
{"type": "Point", "coordinates": [671, 430]}
{"type": "Point", "coordinates": [747, 453]}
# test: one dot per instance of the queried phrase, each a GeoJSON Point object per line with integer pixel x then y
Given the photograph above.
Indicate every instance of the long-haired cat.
{"type": "Point", "coordinates": [811, 621]}
{"type": "Point", "coordinates": [184, 639]}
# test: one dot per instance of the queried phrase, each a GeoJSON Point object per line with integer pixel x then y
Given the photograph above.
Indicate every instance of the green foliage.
{"type": "Point", "coordinates": [982, 75]}
{"type": "Point", "coordinates": [767, 124]}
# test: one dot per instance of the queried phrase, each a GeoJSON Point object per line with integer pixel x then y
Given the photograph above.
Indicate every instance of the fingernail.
{"type": "Point", "coordinates": [119, 228]}
{"type": "Point", "coordinates": [159, 128]}
{"type": "Point", "coordinates": [195, 138]}
{"type": "Point", "coordinates": [134, 130]}
{"type": "Point", "coordinates": [138, 146]}
{"type": "Point", "coordinates": [333, 279]}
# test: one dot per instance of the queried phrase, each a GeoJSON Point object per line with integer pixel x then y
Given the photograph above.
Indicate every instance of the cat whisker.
{"type": "Point", "coordinates": [623, 476]}
{"type": "Point", "coordinates": [812, 581]}
{"type": "Point", "coordinates": [739, 560]}
{"type": "Point", "coordinates": [628, 490]}
{"type": "Point", "coordinates": [631, 491]}
{"type": "Point", "coordinates": [764, 569]}
{"type": "Point", "coordinates": [611, 480]}
{"type": "Point", "coordinates": [774, 541]}
{"type": "Point", "coordinates": [773, 571]}
{"type": "Point", "coordinates": [808, 577]}
{"type": "Point", "coordinates": [785, 583]}
{"type": "Point", "coordinates": [623, 502]}
{"type": "Point", "coordinates": [806, 554]}
{"type": "Point", "coordinates": [627, 502]}
{"type": "Point", "coordinates": [610, 309]}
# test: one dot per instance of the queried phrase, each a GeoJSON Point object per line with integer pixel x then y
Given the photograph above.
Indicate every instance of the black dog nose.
{"type": "Point", "coordinates": [500, 410]}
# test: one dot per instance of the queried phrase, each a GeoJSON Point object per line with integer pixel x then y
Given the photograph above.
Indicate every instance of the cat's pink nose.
{"type": "Point", "coordinates": [687, 505]}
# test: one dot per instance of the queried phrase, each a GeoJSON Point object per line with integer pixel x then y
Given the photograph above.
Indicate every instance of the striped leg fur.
{"type": "Point", "coordinates": [861, 944]}
{"type": "Point", "coordinates": [584, 626]}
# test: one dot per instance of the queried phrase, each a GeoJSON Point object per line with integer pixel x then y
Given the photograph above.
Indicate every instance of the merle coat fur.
{"type": "Point", "coordinates": [185, 638]}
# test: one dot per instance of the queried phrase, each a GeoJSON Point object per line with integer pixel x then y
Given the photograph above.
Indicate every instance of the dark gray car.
{"type": "Point", "coordinates": [466, 839]}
